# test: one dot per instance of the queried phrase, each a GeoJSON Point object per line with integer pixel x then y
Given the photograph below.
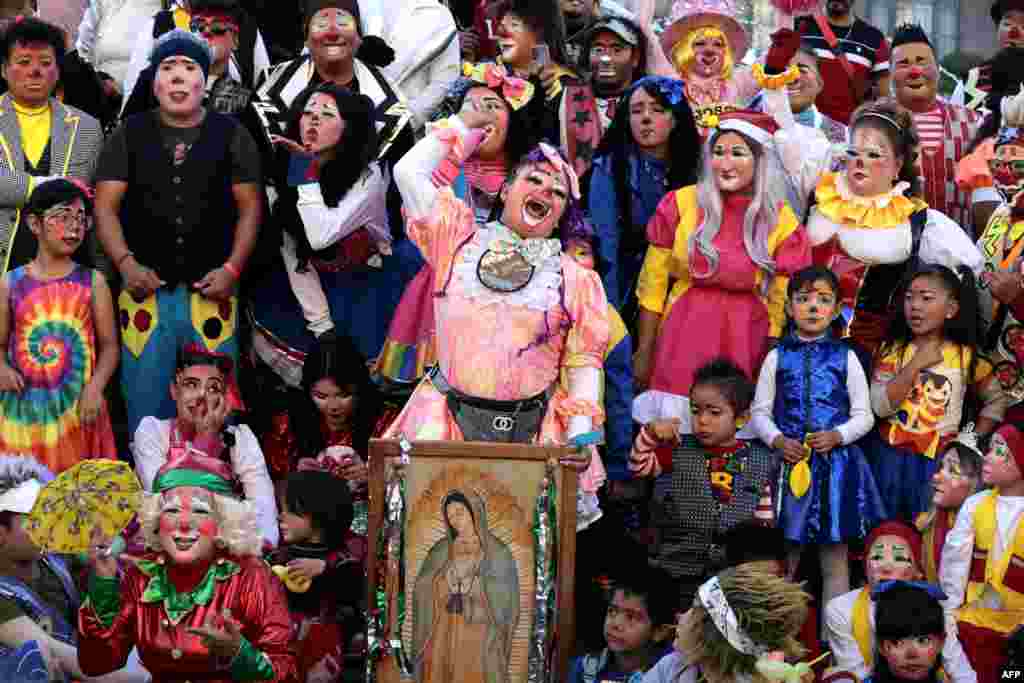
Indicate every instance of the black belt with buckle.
{"type": "Point", "coordinates": [482, 419]}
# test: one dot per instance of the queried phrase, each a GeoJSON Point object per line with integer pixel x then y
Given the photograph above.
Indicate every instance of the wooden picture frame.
{"type": "Point", "coordinates": [509, 477]}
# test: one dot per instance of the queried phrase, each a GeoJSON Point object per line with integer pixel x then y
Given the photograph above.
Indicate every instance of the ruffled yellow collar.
{"type": "Point", "coordinates": [839, 204]}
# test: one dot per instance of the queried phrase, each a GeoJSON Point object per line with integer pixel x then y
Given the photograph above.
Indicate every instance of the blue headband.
{"type": "Point", "coordinates": [930, 588]}
{"type": "Point", "coordinates": [672, 89]}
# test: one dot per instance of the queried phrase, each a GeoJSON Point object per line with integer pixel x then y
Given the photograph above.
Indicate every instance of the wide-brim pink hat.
{"type": "Point", "coordinates": [689, 15]}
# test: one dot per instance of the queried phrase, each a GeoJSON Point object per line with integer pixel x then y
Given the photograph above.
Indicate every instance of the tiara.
{"type": "Point", "coordinates": [885, 117]}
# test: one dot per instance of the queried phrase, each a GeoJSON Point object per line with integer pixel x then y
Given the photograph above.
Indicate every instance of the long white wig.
{"type": "Point", "coordinates": [238, 531]}
{"type": "Point", "coordinates": [770, 195]}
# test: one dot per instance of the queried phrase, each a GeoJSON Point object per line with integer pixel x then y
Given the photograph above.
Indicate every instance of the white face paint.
{"type": "Point", "coordinates": [321, 125]}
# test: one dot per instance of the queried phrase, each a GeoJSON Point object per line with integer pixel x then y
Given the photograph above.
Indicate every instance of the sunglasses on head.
{"type": "Point", "coordinates": [215, 28]}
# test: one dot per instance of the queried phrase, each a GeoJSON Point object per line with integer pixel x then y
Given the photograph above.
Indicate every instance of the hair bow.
{"type": "Point", "coordinates": [672, 89]}
{"type": "Point", "coordinates": [930, 588]}
{"type": "Point", "coordinates": [516, 91]}
{"type": "Point", "coordinates": [555, 158]}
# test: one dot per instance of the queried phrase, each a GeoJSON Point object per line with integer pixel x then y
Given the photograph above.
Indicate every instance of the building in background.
{"type": "Point", "coordinates": [953, 25]}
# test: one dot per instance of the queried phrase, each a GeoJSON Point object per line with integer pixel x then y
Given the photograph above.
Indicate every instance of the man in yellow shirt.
{"type": "Point", "coordinates": [40, 138]}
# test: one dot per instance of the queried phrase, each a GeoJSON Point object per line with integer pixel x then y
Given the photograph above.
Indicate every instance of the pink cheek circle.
{"type": "Point", "coordinates": [208, 528]}
{"type": "Point", "coordinates": [167, 525]}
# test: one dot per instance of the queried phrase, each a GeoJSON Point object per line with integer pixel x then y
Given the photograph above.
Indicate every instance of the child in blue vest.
{"type": "Point", "coordinates": [812, 405]}
{"type": "Point", "coordinates": [638, 629]}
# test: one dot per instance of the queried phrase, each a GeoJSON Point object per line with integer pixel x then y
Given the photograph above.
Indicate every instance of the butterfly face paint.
{"type": "Point", "coordinates": [1000, 467]}
{"type": "Point", "coordinates": [188, 526]}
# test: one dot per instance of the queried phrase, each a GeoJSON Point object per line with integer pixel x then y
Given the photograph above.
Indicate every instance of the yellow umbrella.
{"type": "Point", "coordinates": [93, 493]}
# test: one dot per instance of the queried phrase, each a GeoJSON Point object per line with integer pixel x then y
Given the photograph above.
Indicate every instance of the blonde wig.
{"type": "Point", "coordinates": [683, 52]}
{"type": "Point", "coordinates": [770, 609]}
{"type": "Point", "coordinates": [237, 530]}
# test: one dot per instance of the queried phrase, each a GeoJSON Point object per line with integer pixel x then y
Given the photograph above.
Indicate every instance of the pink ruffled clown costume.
{"type": "Point", "coordinates": [544, 341]}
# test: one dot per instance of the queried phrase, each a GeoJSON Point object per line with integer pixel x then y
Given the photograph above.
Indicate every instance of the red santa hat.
{"type": "Point", "coordinates": [757, 126]}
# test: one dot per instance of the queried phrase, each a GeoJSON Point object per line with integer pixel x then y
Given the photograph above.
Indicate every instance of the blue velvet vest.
{"type": "Point", "coordinates": [810, 385]}
{"type": "Point", "coordinates": [50, 619]}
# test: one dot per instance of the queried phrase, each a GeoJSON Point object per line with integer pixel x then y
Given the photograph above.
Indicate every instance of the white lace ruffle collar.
{"type": "Point", "coordinates": [542, 293]}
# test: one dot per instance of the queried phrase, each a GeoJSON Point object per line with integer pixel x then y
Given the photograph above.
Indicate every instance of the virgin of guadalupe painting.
{"type": "Point", "coordinates": [466, 600]}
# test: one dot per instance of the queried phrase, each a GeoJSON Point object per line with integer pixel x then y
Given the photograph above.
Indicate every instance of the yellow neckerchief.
{"type": "Point", "coordinates": [35, 129]}
{"type": "Point", "coordinates": [862, 631]}
{"type": "Point", "coordinates": [838, 204]}
{"type": "Point", "coordinates": [985, 528]}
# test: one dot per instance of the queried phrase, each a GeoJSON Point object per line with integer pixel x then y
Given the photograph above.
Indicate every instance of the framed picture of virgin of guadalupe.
{"type": "Point", "coordinates": [471, 564]}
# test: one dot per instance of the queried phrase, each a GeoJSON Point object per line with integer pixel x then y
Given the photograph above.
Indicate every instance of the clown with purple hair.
{"type": "Point", "coordinates": [522, 327]}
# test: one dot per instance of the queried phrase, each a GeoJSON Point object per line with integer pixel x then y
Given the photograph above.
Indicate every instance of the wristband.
{"type": "Point", "coordinates": [119, 261]}
{"type": "Point", "coordinates": [588, 439]}
{"type": "Point", "coordinates": [232, 270]}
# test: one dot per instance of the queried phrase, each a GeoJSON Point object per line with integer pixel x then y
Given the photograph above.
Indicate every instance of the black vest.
{"type": "Point", "coordinates": [180, 220]}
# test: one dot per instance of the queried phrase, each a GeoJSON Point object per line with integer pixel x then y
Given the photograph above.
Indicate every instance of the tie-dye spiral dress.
{"type": "Point", "coordinates": [52, 344]}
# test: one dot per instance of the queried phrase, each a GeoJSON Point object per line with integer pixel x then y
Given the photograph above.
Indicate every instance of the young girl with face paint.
{"type": "Point", "coordinates": [719, 256]}
{"type": "Point", "coordinates": [652, 147]}
{"type": "Point", "coordinates": [892, 553]}
{"type": "Point", "coordinates": [870, 212]}
{"type": "Point", "coordinates": [910, 631]}
{"type": "Point", "coordinates": [201, 604]}
{"type": "Point", "coordinates": [60, 337]}
{"type": "Point", "coordinates": [812, 406]}
{"type": "Point", "coordinates": [981, 561]}
{"type": "Point", "coordinates": [521, 327]}
{"type": "Point", "coordinates": [923, 371]}
{"type": "Point", "coordinates": [958, 478]}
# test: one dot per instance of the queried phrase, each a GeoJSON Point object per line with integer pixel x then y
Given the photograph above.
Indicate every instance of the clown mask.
{"type": "Point", "coordinates": [952, 484]}
{"type": "Point", "coordinates": [198, 391]}
{"type": "Point", "coordinates": [889, 559]}
{"type": "Point", "coordinates": [516, 40]}
{"type": "Point", "coordinates": [710, 53]}
{"type": "Point", "coordinates": [333, 36]}
{"type": "Point", "coordinates": [179, 86]}
{"type": "Point", "coordinates": [1011, 29]}
{"type": "Point", "coordinates": [321, 125]}
{"type": "Point", "coordinates": [188, 525]}
{"type": "Point", "coordinates": [1008, 173]}
{"type": "Point", "coordinates": [915, 75]}
{"type": "Point", "coordinates": [1000, 467]}
{"type": "Point", "coordinates": [535, 200]}
{"type": "Point", "coordinates": [486, 100]}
